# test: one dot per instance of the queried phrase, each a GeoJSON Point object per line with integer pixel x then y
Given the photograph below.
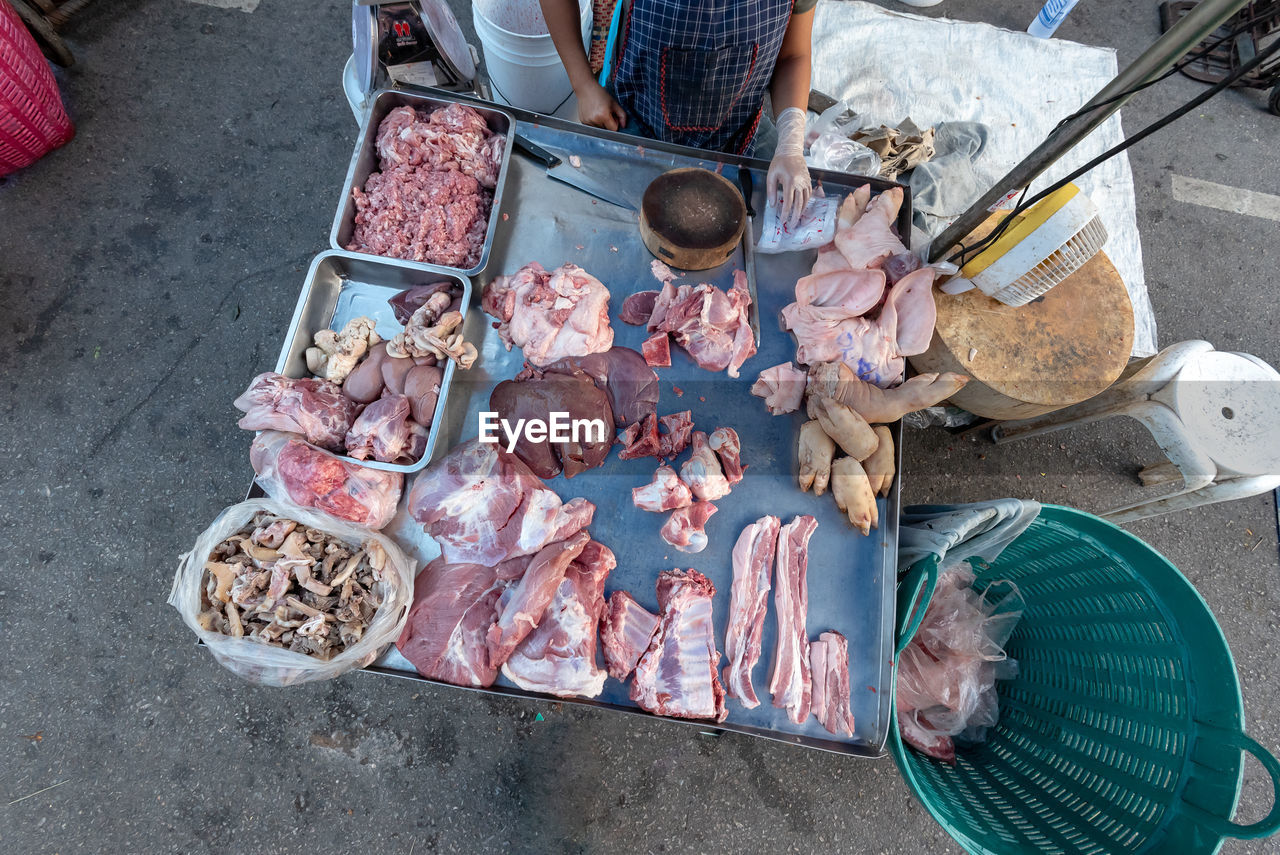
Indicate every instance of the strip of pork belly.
{"type": "Point", "coordinates": [522, 605]}
{"type": "Point", "coordinates": [665, 492]}
{"type": "Point", "coordinates": [748, 602]}
{"type": "Point", "coordinates": [559, 656]}
{"type": "Point", "coordinates": [790, 681]}
{"type": "Point", "coordinates": [625, 633]}
{"type": "Point", "coordinates": [829, 659]}
{"type": "Point", "coordinates": [678, 674]}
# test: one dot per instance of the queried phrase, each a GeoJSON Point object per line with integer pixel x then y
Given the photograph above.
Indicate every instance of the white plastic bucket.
{"type": "Point", "coordinates": [524, 70]}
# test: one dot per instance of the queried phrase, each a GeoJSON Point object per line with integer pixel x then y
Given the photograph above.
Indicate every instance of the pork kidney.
{"type": "Point", "coordinates": [394, 370]}
{"type": "Point", "coordinates": [364, 384]}
{"type": "Point", "coordinates": [422, 388]}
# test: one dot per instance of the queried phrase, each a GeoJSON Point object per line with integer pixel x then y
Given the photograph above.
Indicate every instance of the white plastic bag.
{"type": "Point", "coordinates": [262, 663]}
{"type": "Point", "coordinates": [817, 226]}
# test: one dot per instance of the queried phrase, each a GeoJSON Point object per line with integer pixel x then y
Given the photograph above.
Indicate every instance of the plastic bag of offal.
{"type": "Point", "coordinates": [283, 595]}
{"type": "Point", "coordinates": [291, 469]}
{"type": "Point", "coordinates": [946, 690]}
{"type": "Point", "coordinates": [816, 227]}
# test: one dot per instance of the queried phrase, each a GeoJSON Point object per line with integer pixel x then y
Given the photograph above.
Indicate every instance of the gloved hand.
{"type": "Point", "coordinates": [788, 182]}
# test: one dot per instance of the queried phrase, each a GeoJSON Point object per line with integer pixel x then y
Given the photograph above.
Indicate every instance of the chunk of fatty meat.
{"type": "Point", "coordinates": [665, 493]}
{"type": "Point", "coordinates": [625, 632]}
{"type": "Point", "coordinates": [454, 605]}
{"type": "Point", "coordinates": [711, 325]}
{"type": "Point", "coordinates": [315, 409]}
{"type": "Point", "coordinates": [536, 398]}
{"type": "Point", "coordinates": [790, 681]}
{"type": "Point", "coordinates": [313, 478]}
{"type": "Point", "coordinates": [684, 528]}
{"type": "Point", "coordinates": [550, 315]}
{"type": "Point", "coordinates": [535, 580]}
{"type": "Point", "coordinates": [782, 388]}
{"type": "Point", "coordinates": [559, 656]}
{"type": "Point", "coordinates": [482, 504]}
{"type": "Point", "coordinates": [829, 661]}
{"type": "Point", "coordinates": [677, 675]}
{"type": "Point", "coordinates": [643, 439]}
{"type": "Point", "coordinates": [753, 556]}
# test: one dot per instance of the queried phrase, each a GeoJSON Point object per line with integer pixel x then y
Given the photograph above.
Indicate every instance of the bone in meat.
{"type": "Point", "coordinates": [882, 406]}
{"type": "Point", "coordinates": [790, 681]}
{"type": "Point", "coordinates": [684, 528]}
{"type": "Point", "coordinates": [711, 324]}
{"type": "Point", "coordinates": [677, 675]}
{"type": "Point", "coordinates": [753, 556]}
{"type": "Point", "coordinates": [624, 634]}
{"type": "Point", "coordinates": [829, 660]}
{"type": "Point", "coordinates": [725, 443]}
{"type": "Point", "coordinates": [782, 388]}
{"type": "Point", "coordinates": [702, 471]}
{"type": "Point", "coordinates": [666, 492]}
{"type": "Point", "coordinates": [559, 656]}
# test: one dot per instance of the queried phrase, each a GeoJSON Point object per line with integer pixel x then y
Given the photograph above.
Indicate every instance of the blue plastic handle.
{"type": "Point", "coordinates": [914, 594]}
{"type": "Point", "coordinates": [1222, 827]}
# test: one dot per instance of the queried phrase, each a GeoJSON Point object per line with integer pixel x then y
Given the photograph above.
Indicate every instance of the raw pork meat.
{"type": "Point", "coordinates": [453, 609]}
{"type": "Point", "coordinates": [657, 350]}
{"type": "Point", "coordinates": [702, 471]}
{"type": "Point", "coordinates": [711, 325]}
{"type": "Point", "coordinates": [870, 240]}
{"type": "Point", "coordinates": [289, 468]}
{"type": "Point", "coordinates": [408, 301]}
{"type": "Point", "coordinates": [431, 200]}
{"type": "Point", "coordinates": [559, 656]}
{"type": "Point", "coordinates": [677, 675]}
{"type": "Point", "coordinates": [725, 443]}
{"type": "Point", "coordinates": [482, 504]}
{"type": "Point", "coordinates": [624, 634]}
{"type": "Point", "coordinates": [854, 292]}
{"type": "Point", "coordinates": [748, 602]}
{"type": "Point", "coordinates": [684, 528]}
{"type": "Point", "coordinates": [535, 396]}
{"type": "Point", "coordinates": [665, 493]}
{"type": "Point", "coordinates": [782, 388]}
{"type": "Point", "coordinates": [550, 315]}
{"type": "Point", "coordinates": [385, 432]}
{"type": "Point", "coordinates": [790, 682]}
{"type": "Point", "coordinates": [522, 604]}
{"type": "Point", "coordinates": [637, 308]}
{"type": "Point", "coordinates": [644, 440]}
{"type": "Point", "coordinates": [829, 660]}
{"type": "Point", "coordinates": [315, 409]}
{"type": "Point", "coordinates": [623, 375]}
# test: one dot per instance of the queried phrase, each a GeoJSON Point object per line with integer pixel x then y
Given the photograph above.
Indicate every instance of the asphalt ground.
{"type": "Point", "coordinates": [149, 269]}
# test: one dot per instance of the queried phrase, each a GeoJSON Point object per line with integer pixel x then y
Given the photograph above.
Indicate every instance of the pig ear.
{"type": "Point", "coordinates": [912, 299]}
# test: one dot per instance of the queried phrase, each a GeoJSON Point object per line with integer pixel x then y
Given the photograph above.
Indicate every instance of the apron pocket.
{"type": "Point", "coordinates": [698, 88]}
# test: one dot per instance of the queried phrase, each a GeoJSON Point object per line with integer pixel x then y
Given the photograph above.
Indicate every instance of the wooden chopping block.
{"type": "Point", "coordinates": [1058, 350]}
{"type": "Point", "coordinates": [692, 219]}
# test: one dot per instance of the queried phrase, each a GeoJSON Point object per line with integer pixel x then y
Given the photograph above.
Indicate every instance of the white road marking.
{"type": "Point", "coordinates": [242, 5]}
{"type": "Point", "coordinates": [1224, 198]}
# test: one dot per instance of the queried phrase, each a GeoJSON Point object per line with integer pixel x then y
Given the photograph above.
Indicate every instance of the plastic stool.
{"type": "Point", "coordinates": [1216, 416]}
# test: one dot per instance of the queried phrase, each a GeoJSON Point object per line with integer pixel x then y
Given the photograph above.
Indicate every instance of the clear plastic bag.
{"type": "Point", "coordinates": [833, 151]}
{"type": "Point", "coordinates": [816, 228]}
{"type": "Point", "coordinates": [274, 666]}
{"type": "Point", "coordinates": [294, 471]}
{"type": "Point", "coordinates": [839, 119]}
{"type": "Point", "coordinates": [946, 677]}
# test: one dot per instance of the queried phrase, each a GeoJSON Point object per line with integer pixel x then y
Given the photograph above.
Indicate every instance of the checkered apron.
{"type": "Point", "coordinates": [695, 73]}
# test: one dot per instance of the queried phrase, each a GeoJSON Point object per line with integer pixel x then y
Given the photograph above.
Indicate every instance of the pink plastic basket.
{"type": "Point", "coordinates": [32, 119]}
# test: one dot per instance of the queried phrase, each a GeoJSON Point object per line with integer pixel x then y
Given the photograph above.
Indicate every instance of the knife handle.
{"type": "Point", "coordinates": [748, 185]}
{"type": "Point", "coordinates": [537, 152]}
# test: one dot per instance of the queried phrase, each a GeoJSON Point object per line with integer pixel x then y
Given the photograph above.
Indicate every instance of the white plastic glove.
{"type": "Point", "coordinates": [788, 181]}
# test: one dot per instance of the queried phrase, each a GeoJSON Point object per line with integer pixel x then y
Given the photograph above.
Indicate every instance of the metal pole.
{"type": "Point", "coordinates": [1182, 37]}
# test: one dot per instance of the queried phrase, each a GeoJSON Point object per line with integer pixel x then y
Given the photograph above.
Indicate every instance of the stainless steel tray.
{"type": "Point", "coordinates": [851, 577]}
{"type": "Point", "coordinates": [344, 285]}
{"type": "Point", "coordinates": [365, 161]}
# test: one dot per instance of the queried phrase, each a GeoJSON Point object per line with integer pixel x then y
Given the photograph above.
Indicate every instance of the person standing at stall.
{"type": "Point", "coordinates": [695, 73]}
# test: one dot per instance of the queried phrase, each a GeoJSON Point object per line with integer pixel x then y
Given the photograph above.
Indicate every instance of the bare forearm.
{"type": "Point", "coordinates": [564, 25]}
{"type": "Point", "coordinates": [790, 84]}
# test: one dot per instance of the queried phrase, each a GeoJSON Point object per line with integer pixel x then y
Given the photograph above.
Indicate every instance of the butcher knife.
{"type": "Point", "coordinates": [747, 183]}
{"type": "Point", "coordinates": [567, 173]}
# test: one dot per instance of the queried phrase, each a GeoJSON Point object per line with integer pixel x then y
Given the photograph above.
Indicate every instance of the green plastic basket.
{"type": "Point", "coordinates": [1123, 731]}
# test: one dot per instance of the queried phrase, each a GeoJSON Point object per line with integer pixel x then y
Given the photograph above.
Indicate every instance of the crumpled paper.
{"type": "Point", "coordinates": [902, 148]}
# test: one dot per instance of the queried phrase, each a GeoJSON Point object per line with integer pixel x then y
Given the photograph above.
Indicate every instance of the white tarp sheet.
{"type": "Point", "coordinates": [890, 65]}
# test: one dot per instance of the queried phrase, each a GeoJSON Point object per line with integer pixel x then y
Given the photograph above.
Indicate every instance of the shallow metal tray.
{"type": "Point", "coordinates": [851, 577]}
{"type": "Point", "coordinates": [343, 285]}
{"type": "Point", "coordinates": [365, 161]}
